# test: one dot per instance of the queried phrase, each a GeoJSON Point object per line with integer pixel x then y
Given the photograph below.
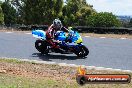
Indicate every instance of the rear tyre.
{"type": "Point", "coordinates": [83, 51]}
{"type": "Point", "coordinates": [41, 46]}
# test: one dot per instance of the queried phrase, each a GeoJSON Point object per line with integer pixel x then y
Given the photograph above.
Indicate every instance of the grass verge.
{"type": "Point", "coordinates": [23, 74]}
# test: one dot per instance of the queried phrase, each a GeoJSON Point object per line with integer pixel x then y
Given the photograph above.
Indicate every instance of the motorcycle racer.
{"type": "Point", "coordinates": [50, 33]}
{"type": "Point", "coordinates": [70, 42]}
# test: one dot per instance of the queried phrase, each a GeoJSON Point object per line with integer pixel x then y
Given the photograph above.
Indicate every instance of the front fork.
{"type": "Point", "coordinates": [77, 47]}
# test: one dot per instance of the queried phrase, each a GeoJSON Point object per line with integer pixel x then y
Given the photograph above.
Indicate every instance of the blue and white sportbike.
{"type": "Point", "coordinates": [70, 43]}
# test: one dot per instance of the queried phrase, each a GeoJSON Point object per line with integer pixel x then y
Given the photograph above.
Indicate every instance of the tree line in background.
{"type": "Point", "coordinates": [71, 13]}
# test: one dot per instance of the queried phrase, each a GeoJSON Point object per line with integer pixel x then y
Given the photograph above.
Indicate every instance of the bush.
{"type": "Point", "coordinates": [103, 19]}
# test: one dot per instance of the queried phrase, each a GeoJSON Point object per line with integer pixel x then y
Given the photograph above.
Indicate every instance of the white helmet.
{"type": "Point", "coordinates": [57, 24]}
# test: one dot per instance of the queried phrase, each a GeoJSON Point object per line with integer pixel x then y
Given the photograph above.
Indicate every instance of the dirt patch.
{"type": "Point", "coordinates": [38, 70]}
{"type": "Point", "coordinates": [108, 35]}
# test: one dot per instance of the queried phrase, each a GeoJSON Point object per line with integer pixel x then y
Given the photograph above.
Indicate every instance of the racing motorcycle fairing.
{"type": "Point", "coordinates": [39, 34]}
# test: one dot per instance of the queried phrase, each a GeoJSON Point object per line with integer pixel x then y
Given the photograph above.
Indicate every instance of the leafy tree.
{"type": "Point", "coordinates": [103, 19]}
{"type": "Point", "coordinates": [76, 11]}
{"type": "Point", "coordinates": [73, 13]}
{"type": "Point", "coordinates": [1, 15]}
{"type": "Point", "coordinates": [130, 23]}
{"type": "Point", "coordinates": [18, 4]}
{"type": "Point", "coordinates": [41, 11]}
{"type": "Point", "coordinates": [9, 13]}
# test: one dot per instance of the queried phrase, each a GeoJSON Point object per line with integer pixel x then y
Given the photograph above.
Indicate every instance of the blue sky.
{"type": "Point", "coordinates": [117, 7]}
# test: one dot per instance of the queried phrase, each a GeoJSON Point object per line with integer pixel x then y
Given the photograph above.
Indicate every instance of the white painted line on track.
{"type": "Point", "coordinates": [28, 33]}
{"type": "Point", "coordinates": [87, 36]}
{"type": "Point", "coordinates": [62, 64]}
{"type": "Point", "coordinates": [8, 32]}
{"type": "Point", "coordinates": [102, 37]}
{"type": "Point", "coordinates": [123, 38]}
{"type": "Point", "coordinates": [71, 65]}
{"type": "Point", "coordinates": [106, 37]}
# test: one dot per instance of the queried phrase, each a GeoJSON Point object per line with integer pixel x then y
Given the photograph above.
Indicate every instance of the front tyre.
{"type": "Point", "coordinates": [83, 51]}
{"type": "Point", "coordinates": [41, 46]}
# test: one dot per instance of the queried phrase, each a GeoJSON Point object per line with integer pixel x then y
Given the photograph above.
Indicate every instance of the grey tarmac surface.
{"type": "Point", "coordinates": [104, 52]}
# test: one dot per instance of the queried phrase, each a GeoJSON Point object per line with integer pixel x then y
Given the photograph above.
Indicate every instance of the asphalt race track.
{"type": "Point", "coordinates": [104, 52]}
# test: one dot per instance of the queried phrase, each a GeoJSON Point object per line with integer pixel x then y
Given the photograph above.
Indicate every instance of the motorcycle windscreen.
{"type": "Point", "coordinates": [39, 34]}
{"type": "Point", "coordinates": [77, 38]}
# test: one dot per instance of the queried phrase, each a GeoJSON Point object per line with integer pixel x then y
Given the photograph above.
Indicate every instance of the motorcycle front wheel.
{"type": "Point", "coordinates": [83, 51]}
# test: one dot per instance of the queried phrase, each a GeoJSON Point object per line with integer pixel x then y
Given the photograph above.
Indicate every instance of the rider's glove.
{"type": "Point", "coordinates": [71, 33]}
{"type": "Point", "coordinates": [57, 41]}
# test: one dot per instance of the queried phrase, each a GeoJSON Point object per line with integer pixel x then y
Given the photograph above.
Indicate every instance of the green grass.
{"type": "Point", "coordinates": [11, 81]}
{"type": "Point", "coordinates": [11, 60]}
{"type": "Point", "coordinates": [21, 81]}
{"type": "Point", "coordinates": [15, 61]}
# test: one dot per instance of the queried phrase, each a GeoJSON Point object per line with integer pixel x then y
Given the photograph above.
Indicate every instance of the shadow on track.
{"type": "Point", "coordinates": [51, 56]}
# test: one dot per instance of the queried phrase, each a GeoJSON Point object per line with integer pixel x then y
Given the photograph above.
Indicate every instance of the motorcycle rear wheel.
{"type": "Point", "coordinates": [41, 46]}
